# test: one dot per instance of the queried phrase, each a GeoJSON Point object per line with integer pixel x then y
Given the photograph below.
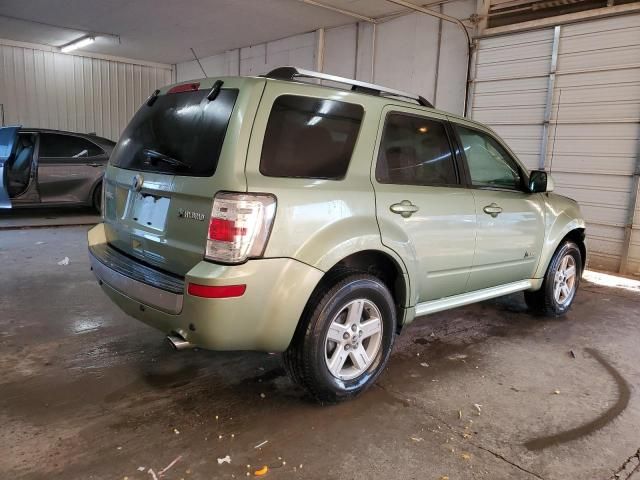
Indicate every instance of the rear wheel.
{"type": "Point", "coordinates": [97, 198]}
{"type": "Point", "coordinates": [345, 338]}
{"type": "Point", "coordinates": [560, 282]}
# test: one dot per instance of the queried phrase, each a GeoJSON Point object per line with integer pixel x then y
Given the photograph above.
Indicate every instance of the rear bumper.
{"type": "Point", "coordinates": [262, 319]}
{"type": "Point", "coordinates": [139, 282]}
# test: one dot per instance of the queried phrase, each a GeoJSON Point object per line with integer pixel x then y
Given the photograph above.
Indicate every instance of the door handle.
{"type": "Point", "coordinates": [493, 210]}
{"type": "Point", "coordinates": [404, 208]}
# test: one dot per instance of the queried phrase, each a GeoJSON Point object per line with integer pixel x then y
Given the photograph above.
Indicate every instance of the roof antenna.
{"type": "Point", "coordinates": [197, 60]}
{"type": "Point", "coordinates": [555, 128]}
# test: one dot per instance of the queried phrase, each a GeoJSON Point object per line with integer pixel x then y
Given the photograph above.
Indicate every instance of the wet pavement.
{"type": "Point", "coordinates": [481, 392]}
{"type": "Point", "coordinates": [47, 217]}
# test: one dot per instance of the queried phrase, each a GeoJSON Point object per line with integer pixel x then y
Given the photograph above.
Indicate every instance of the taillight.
{"type": "Point", "coordinates": [185, 87]}
{"type": "Point", "coordinates": [239, 227]}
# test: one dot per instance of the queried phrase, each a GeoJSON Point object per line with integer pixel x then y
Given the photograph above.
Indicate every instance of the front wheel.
{"type": "Point", "coordinates": [345, 338]}
{"type": "Point", "coordinates": [560, 282]}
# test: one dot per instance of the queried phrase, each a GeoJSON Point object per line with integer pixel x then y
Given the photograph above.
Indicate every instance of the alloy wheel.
{"type": "Point", "coordinates": [564, 285]}
{"type": "Point", "coordinates": [353, 339]}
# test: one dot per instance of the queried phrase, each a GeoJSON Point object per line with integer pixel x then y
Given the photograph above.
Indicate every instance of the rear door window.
{"type": "Point", "coordinates": [415, 151]}
{"type": "Point", "coordinates": [55, 145]}
{"type": "Point", "coordinates": [310, 138]}
{"type": "Point", "coordinates": [180, 134]}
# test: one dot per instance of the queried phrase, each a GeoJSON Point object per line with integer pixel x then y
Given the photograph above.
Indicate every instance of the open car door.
{"type": "Point", "coordinates": [8, 137]}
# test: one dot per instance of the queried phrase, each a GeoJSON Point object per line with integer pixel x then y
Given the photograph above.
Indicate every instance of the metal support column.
{"type": "Point", "coordinates": [631, 215]}
{"type": "Point", "coordinates": [551, 83]}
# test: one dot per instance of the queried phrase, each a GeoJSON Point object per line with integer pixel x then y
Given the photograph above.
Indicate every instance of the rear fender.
{"type": "Point", "coordinates": [348, 236]}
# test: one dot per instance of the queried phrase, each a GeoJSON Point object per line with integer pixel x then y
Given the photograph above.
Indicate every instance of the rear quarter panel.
{"type": "Point", "coordinates": [320, 222]}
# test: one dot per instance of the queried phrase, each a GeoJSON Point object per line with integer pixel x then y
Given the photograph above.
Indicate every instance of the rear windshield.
{"type": "Point", "coordinates": [310, 138]}
{"type": "Point", "coordinates": [179, 134]}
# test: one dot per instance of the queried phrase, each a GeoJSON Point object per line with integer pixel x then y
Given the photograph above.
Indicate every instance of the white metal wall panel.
{"type": "Point", "coordinates": [594, 132]}
{"type": "Point", "coordinates": [299, 50]}
{"type": "Point", "coordinates": [596, 109]}
{"type": "Point", "coordinates": [405, 50]}
{"type": "Point", "coordinates": [406, 54]}
{"type": "Point", "coordinates": [510, 89]}
{"type": "Point", "coordinates": [47, 89]}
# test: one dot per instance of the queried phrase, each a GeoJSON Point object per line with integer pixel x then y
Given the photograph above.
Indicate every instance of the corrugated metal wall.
{"type": "Point", "coordinates": [46, 89]}
{"type": "Point", "coordinates": [593, 134]}
{"type": "Point", "coordinates": [406, 55]}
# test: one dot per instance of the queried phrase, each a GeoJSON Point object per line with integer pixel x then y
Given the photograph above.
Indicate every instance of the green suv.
{"type": "Point", "coordinates": [282, 215]}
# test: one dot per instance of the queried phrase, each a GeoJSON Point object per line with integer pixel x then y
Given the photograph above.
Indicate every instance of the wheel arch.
{"type": "Point", "coordinates": [578, 236]}
{"type": "Point", "coordinates": [97, 184]}
{"type": "Point", "coordinates": [381, 264]}
{"type": "Point", "coordinates": [575, 232]}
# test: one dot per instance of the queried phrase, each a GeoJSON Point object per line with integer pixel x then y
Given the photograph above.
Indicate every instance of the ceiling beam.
{"type": "Point", "coordinates": [349, 13]}
{"type": "Point", "coordinates": [426, 11]}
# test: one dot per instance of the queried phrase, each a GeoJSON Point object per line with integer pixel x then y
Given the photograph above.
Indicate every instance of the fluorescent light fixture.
{"type": "Point", "coordinates": [83, 42]}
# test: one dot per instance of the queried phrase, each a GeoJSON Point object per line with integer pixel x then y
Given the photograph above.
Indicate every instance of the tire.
{"type": "Point", "coordinates": [330, 314]}
{"type": "Point", "coordinates": [97, 198]}
{"type": "Point", "coordinates": [547, 301]}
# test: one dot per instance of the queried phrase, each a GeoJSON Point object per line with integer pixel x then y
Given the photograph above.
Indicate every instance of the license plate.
{"type": "Point", "coordinates": [150, 211]}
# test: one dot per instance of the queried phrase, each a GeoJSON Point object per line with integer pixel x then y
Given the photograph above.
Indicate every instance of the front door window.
{"type": "Point", "coordinates": [489, 163]}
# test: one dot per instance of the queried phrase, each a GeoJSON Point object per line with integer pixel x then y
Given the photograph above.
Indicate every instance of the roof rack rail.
{"type": "Point", "coordinates": [292, 73]}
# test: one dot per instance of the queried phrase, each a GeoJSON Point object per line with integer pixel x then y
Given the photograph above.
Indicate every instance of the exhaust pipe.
{"type": "Point", "coordinates": [179, 343]}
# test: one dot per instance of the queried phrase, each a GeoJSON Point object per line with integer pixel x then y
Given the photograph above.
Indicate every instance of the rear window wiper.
{"type": "Point", "coordinates": [164, 158]}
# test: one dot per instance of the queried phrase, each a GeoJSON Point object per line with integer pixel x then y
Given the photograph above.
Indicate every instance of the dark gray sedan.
{"type": "Point", "coordinates": [51, 168]}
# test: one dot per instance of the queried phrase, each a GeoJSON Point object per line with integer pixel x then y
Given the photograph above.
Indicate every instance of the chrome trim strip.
{"type": "Point", "coordinates": [441, 304]}
{"type": "Point", "coordinates": [154, 297]}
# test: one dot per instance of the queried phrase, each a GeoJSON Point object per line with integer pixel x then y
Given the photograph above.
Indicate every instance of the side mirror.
{"type": "Point", "coordinates": [540, 181]}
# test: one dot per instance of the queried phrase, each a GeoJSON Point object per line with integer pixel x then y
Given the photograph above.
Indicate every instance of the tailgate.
{"type": "Point", "coordinates": [169, 164]}
{"type": "Point", "coordinates": [164, 224]}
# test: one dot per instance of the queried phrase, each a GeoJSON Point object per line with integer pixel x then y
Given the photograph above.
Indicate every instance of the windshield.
{"type": "Point", "coordinates": [179, 134]}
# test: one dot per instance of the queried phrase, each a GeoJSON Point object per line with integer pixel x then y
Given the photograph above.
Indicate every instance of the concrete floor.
{"type": "Point", "coordinates": [87, 393]}
{"type": "Point", "coordinates": [47, 217]}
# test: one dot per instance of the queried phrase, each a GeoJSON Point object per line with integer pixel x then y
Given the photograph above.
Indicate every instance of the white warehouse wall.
{"type": "Point", "coordinates": [42, 88]}
{"type": "Point", "coordinates": [413, 52]}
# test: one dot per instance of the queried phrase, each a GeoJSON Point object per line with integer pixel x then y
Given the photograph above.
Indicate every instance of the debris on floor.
{"type": "Point", "coordinates": [261, 444]}
{"type": "Point", "coordinates": [417, 439]}
{"type": "Point", "coordinates": [556, 392]}
{"type": "Point", "coordinates": [478, 407]}
{"type": "Point", "coordinates": [64, 261]}
{"type": "Point", "coordinates": [165, 469]}
{"type": "Point", "coordinates": [226, 459]}
{"type": "Point", "coordinates": [263, 471]}
{"type": "Point", "coordinates": [424, 364]}
{"type": "Point", "coordinates": [466, 456]}
{"type": "Point", "coordinates": [152, 473]}
{"type": "Point", "coordinates": [457, 356]}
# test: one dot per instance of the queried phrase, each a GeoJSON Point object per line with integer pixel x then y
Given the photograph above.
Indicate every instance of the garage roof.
{"type": "Point", "coordinates": [164, 31]}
